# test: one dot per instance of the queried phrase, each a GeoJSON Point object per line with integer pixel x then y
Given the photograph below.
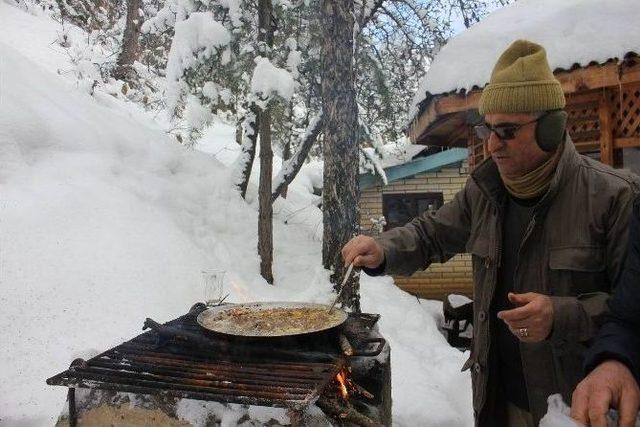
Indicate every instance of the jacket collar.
{"type": "Point", "coordinates": [488, 179]}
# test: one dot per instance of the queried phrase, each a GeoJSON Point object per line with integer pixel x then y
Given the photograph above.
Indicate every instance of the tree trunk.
{"type": "Point", "coordinates": [341, 190]}
{"type": "Point", "coordinates": [265, 213]}
{"type": "Point", "coordinates": [286, 151]}
{"type": "Point", "coordinates": [286, 155]}
{"type": "Point", "coordinates": [265, 222]}
{"type": "Point", "coordinates": [130, 42]}
{"type": "Point", "coordinates": [250, 126]}
{"type": "Point", "coordinates": [239, 132]}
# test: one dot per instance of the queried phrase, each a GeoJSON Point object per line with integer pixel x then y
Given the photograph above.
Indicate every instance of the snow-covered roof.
{"type": "Point", "coordinates": [574, 32]}
{"type": "Point", "coordinates": [399, 154]}
{"type": "Point", "coordinates": [431, 163]}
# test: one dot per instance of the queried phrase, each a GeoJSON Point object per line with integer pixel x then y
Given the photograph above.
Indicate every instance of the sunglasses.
{"type": "Point", "coordinates": [504, 131]}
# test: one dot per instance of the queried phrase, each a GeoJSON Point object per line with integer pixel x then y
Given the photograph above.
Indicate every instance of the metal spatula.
{"type": "Point", "coordinates": [344, 281]}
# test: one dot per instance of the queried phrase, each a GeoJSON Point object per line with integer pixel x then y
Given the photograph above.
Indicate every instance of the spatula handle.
{"type": "Point", "coordinates": [344, 281]}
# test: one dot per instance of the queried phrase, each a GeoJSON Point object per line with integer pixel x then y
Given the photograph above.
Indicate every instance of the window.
{"type": "Point", "coordinates": [400, 208]}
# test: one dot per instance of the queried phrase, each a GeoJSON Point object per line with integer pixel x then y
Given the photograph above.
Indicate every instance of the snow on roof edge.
{"type": "Point", "coordinates": [571, 33]}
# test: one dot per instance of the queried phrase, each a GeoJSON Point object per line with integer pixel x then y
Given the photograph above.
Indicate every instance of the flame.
{"type": "Point", "coordinates": [239, 291]}
{"type": "Point", "coordinates": [342, 384]}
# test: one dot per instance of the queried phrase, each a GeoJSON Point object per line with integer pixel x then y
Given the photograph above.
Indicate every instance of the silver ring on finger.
{"type": "Point", "coordinates": [523, 332]}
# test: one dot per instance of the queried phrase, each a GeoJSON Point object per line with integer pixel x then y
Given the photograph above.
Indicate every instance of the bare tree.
{"type": "Point", "coordinates": [340, 188]}
{"type": "Point", "coordinates": [130, 42]}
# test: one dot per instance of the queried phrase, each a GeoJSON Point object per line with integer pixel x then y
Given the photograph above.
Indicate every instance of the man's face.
{"type": "Point", "coordinates": [520, 155]}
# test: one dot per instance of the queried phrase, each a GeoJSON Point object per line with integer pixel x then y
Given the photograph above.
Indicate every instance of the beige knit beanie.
{"type": "Point", "coordinates": [522, 82]}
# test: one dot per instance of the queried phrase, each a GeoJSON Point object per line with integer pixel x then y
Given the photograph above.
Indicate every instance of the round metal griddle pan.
{"type": "Point", "coordinates": [212, 319]}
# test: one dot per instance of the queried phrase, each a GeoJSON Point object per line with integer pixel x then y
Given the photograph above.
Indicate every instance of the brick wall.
{"type": "Point", "coordinates": [438, 280]}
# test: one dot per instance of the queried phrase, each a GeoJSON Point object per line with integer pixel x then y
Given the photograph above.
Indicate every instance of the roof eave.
{"type": "Point", "coordinates": [421, 165]}
{"type": "Point", "coordinates": [576, 79]}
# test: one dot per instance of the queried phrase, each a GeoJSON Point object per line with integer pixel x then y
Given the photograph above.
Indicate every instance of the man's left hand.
{"type": "Point", "coordinates": [532, 319]}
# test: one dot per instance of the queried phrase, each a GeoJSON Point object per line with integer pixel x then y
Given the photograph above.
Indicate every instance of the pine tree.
{"type": "Point", "coordinates": [340, 189]}
{"type": "Point", "coordinates": [265, 212]}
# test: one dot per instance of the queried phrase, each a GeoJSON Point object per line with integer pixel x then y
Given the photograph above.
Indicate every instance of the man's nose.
{"type": "Point", "coordinates": [494, 143]}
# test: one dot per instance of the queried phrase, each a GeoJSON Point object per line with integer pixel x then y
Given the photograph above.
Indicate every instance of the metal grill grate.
{"type": "Point", "coordinates": [214, 370]}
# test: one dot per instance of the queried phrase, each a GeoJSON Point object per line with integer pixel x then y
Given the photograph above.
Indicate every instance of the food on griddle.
{"type": "Point", "coordinates": [272, 321]}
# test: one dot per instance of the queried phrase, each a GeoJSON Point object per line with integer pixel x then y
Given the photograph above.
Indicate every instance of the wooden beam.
{"type": "Point", "coordinates": [593, 77]}
{"type": "Point", "coordinates": [439, 106]}
{"type": "Point", "coordinates": [583, 98]}
{"type": "Point", "coordinates": [422, 123]}
{"type": "Point", "coordinates": [619, 143]}
{"type": "Point", "coordinates": [586, 135]}
{"type": "Point", "coordinates": [587, 146]}
{"type": "Point", "coordinates": [597, 77]}
{"type": "Point", "coordinates": [460, 133]}
{"type": "Point", "coordinates": [441, 122]}
{"type": "Point", "coordinates": [606, 132]}
{"type": "Point", "coordinates": [455, 103]}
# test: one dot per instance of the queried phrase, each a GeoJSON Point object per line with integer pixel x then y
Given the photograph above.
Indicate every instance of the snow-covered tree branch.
{"type": "Point", "coordinates": [292, 166]}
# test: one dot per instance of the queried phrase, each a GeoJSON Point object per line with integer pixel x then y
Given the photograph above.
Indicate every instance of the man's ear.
{"type": "Point", "coordinates": [550, 130]}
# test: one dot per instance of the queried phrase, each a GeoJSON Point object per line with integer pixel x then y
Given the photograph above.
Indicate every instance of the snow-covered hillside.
{"type": "Point", "coordinates": [105, 221]}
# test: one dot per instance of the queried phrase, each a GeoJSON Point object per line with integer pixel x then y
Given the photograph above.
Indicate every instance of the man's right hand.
{"type": "Point", "coordinates": [611, 384]}
{"type": "Point", "coordinates": [363, 251]}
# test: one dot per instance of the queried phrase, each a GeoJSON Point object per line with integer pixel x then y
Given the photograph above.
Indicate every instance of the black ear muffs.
{"type": "Point", "coordinates": [550, 130]}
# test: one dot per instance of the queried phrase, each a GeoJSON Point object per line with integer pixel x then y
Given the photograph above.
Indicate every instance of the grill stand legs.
{"type": "Point", "coordinates": [73, 415]}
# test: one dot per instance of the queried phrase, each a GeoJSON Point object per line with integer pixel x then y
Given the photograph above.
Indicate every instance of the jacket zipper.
{"type": "Point", "coordinates": [526, 236]}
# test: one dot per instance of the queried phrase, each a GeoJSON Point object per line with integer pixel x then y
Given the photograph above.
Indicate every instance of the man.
{"type": "Point", "coordinates": [614, 359]}
{"type": "Point", "coordinates": [546, 228]}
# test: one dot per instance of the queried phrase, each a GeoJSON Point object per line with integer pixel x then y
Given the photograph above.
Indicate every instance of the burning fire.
{"type": "Point", "coordinates": [342, 384]}
{"type": "Point", "coordinates": [240, 291]}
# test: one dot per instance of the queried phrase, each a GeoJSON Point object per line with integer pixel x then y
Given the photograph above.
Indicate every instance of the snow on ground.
{"type": "Point", "coordinates": [427, 385]}
{"type": "Point", "coordinates": [36, 36]}
{"type": "Point", "coordinates": [105, 221]}
{"type": "Point", "coordinates": [572, 32]}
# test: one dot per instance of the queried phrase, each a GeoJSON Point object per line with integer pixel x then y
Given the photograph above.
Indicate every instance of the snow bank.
{"type": "Point", "coordinates": [428, 388]}
{"type": "Point", "coordinates": [36, 36]}
{"type": "Point", "coordinates": [572, 32]}
{"type": "Point", "coordinates": [104, 222]}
